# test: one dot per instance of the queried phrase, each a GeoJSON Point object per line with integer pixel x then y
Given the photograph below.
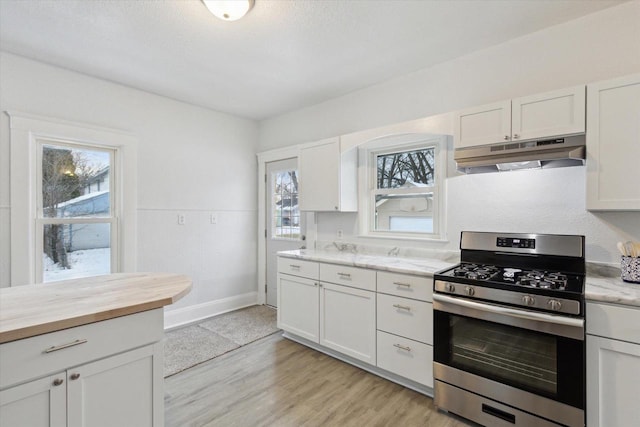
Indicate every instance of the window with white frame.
{"type": "Point", "coordinates": [76, 217]}
{"type": "Point", "coordinates": [73, 200]}
{"type": "Point", "coordinates": [404, 189]}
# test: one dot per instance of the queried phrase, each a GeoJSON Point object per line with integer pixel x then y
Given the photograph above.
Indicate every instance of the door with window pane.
{"type": "Point", "coordinates": [76, 216]}
{"type": "Point", "coordinates": [285, 228]}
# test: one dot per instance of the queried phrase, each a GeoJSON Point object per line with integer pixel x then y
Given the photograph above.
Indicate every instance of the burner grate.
{"type": "Point", "coordinates": [542, 279]}
{"type": "Point", "coordinates": [476, 271]}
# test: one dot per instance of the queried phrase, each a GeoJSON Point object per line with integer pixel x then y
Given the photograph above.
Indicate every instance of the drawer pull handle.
{"type": "Point", "coordinates": [344, 275]}
{"type": "Point", "coordinates": [67, 345]}
{"type": "Point", "coordinates": [74, 376]}
{"type": "Point", "coordinates": [297, 267]}
{"type": "Point", "coordinates": [58, 381]}
{"type": "Point", "coordinates": [406, 285]}
{"type": "Point", "coordinates": [402, 347]}
{"type": "Point", "coordinates": [402, 307]}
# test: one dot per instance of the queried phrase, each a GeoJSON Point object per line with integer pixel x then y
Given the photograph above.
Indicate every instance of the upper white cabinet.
{"type": "Point", "coordinates": [483, 125]}
{"type": "Point", "coordinates": [561, 112]}
{"type": "Point", "coordinates": [613, 144]}
{"type": "Point", "coordinates": [328, 177]}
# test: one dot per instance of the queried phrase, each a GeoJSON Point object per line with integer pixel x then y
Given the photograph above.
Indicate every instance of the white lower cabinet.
{"type": "Point", "coordinates": [380, 318]}
{"type": "Point", "coordinates": [38, 403]}
{"type": "Point", "coordinates": [348, 321]}
{"type": "Point", "coordinates": [405, 357]}
{"type": "Point", "coordinates": [114, 386]}
{"type": "Point", "coordinates": [114, 391]}
{"type": "Point", "coordinates": [405, 326]}
{"type": "Point", "coordinates": [405, 317]}
{"type": "Point", "coordinates": [613, 365]}
{"type": "Point", "coordinates": [299, 306]}
{"type": "Point", "coordinates": [613, 382]}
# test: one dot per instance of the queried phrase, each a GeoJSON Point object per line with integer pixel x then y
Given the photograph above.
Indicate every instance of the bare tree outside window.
{"type": "Point", "coordinates": [75, 185]}
{"type": "Point", "coordinates": [397, 169]}
{"type": "Point", "coordinates": [404, 193]}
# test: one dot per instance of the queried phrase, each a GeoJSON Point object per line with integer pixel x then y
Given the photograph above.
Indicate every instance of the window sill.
{"type": "Point", "coordinates": [386, 236]}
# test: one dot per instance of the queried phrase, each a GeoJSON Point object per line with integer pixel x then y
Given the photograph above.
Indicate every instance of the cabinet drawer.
{"type": "Point", "coordinates": [612, 321]}
{"type": "Point", "coordinates": [406, 317]}
{"type": "Point", "coordinates": [404, 285]}
{"type": "Point", "coordinates": [297, 267]}
{"type": "Point", "coordinates": [348, 276]}
{"type": "Point", "coordinates": [405, 357]}
{"type": "Point", "coordinates": [102, 339]}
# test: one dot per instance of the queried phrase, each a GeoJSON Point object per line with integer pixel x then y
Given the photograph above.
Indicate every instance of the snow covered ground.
{"type": "Point", "coordinates": [84, 263]}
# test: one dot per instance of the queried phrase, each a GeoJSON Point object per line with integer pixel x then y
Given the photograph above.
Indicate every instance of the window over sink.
{"type": "Point", "coordinates": [403, 187]}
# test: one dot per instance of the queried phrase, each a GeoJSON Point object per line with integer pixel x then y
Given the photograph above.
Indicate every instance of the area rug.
{"type": "Point", "coordinates": [191, 345]}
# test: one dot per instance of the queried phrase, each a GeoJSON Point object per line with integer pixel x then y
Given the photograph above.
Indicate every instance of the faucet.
{"type": "Point", "coordinates": [394, 251]}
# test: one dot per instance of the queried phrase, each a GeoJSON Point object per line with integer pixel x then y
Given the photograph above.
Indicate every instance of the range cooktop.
{"type": "Point", "coordinates": [540, 279]}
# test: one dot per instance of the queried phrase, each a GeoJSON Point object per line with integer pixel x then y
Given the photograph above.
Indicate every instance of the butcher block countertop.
{"type": "Point", "coordinates": [30, 310]}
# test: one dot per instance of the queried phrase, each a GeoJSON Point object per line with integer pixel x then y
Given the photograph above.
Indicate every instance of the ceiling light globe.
{"type": "Point", "coordinates": [229, 10]}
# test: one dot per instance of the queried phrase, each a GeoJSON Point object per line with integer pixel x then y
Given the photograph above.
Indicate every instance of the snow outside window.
{"type": "Point", "coordinates": [76, 218]}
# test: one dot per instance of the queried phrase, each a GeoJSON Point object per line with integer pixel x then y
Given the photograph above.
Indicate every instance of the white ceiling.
{"type": "Point", "coordinates": [282, 56]}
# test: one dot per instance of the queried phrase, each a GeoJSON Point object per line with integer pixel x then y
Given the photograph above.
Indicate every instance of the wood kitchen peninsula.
{"type": "Point", "coordinates": [85, 351]}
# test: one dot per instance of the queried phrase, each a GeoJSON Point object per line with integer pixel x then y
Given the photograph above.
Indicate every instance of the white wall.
{"type": "Point", "coordinates": [191, 160]}
{"type": "Point", "coordinates": [595, 47]}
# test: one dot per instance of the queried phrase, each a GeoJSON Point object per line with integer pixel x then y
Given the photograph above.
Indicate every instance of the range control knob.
{"type": "Point", "coordinates": [450, 287]}
{"type": "Point", "coordinates": [469, 290]}
{"type": "Point", "coordinates": [554, 304]}
{"type": "Point", "coordinates": [528, 300]}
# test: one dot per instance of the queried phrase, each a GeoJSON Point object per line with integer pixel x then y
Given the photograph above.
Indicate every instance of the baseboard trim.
{"type": "Point", "coordinates": [420, 388]}
{"type": "Point", "coordinates": [195, 313]}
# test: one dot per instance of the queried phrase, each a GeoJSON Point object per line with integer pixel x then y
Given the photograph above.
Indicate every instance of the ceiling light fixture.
{"type": "Point", "coordinates": [229, 10]}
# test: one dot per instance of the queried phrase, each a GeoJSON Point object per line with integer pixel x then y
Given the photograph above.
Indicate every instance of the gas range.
{"type": "Point", "coordinates": [534, 271]}
{"type": "Point", "coordinates": [509, 336]}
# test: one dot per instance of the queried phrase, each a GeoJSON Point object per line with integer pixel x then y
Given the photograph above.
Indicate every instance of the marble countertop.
{"type": "Point", "coordinates": [417, 266]}
{"type": "Point", "coordinates": [598, 288]}
{"type": "Point", "coordinates": [612, 290]}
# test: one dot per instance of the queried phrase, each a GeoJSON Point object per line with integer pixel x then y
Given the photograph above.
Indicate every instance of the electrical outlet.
{"type": "Point", "coordinates": [213, 218]}
{"type": "Point", "coordinates": [339, 234]}
{"type": "Point", "coordinates": [180, 219]}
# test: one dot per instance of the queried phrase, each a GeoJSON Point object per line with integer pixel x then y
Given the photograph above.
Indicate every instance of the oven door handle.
{"type": "Point", "coordinates": [560, 325]}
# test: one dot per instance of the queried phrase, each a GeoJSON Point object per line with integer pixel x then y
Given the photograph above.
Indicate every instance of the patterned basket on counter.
{"type": "Point", "coordinates": [630, 269]}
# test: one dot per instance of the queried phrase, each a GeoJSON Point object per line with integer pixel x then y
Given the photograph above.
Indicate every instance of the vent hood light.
{"type": "Point", "coordinates": [229, 10]}
{"type": "Point", "coordinates": [502, 167]}
{"type": "Point", "coordinates": [556, 152]}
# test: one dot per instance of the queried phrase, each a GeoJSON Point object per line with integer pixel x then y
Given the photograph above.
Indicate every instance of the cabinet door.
{"type": "Point", "coordinates": [613, 386]}
{"type": "Point", "coordinates": [613, 144]}
{"type": "Point", "coordinates": [38, 403]}
{"type": "Point", "coordinates": [298, 305]}
{"type": "Point", "coordinates": [121, 390]}
{"type": "Point", "coordinates": [319, 180]}
{"type": "Point", "coordinates": [348, 321]}
{"type": "Point", "coordinates": [487, 124]}
{"type": "Point", "coordinates": [550, 114]}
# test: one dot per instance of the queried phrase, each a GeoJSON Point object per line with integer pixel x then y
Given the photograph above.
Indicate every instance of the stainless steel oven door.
{"type": "Point", "coordinates": [528, 360]}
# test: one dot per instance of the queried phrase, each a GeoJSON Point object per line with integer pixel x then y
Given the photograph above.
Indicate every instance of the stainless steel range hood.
{"type": "Point", "coordinates": [548, 153]}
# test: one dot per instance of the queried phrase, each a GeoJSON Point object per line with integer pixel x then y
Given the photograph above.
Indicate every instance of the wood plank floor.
{"type": "Point", "coordinates": [277, 382]}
